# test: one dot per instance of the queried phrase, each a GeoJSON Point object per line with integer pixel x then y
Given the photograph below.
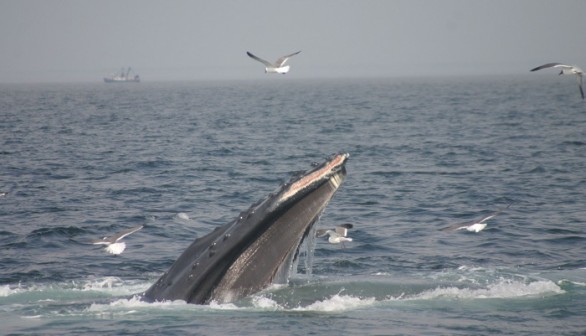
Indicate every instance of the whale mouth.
{"type": "Point", "coordinates": [258, 247]}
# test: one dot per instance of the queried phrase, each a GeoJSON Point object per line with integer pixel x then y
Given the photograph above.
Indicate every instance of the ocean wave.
{"type": "Point", "coordinates": [7, 290]}
{"type": "Point", "coordinates": [338, 303]}
{"type": "Point", "coordinates": [109, 286]}
{"type": "Point", "coordinates": [133, 305]}
{"type": "Point", "coordinates": [501, 290]}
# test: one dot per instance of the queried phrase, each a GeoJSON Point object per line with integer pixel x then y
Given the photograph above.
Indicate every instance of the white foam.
{"type": "Point", "coordinates": [381, 274]}
{"type": "Point", "coordinates": [111, 286]}
{"type": "Point", "coordinates": [223, 306]}
{"type": "Point", "coordinates": [6, 290]}
{"type": "Point", "coordinates": [183, 218]}
{"type": "Point", "coordinates": [575, 283]}
{"type": "Point", "coordinates": [265, 303]}
{"type": "Point", "coordinates": [130, 305]}
{"type": "Point", "coordinates": [114, 286]}
{"type": "Point", "coordinates": [501, 289]}
{"type": "Point", "coordinates": [332, 304]}
{"type": "Point", "coordinates": [338, 303]}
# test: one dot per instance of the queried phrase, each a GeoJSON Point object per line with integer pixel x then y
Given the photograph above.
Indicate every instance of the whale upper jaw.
{"type": "Point", "coordinates": [257, 248]}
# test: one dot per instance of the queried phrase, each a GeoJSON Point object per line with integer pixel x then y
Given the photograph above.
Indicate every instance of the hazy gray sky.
{"type": "Point", "coordinates": [79, 40]}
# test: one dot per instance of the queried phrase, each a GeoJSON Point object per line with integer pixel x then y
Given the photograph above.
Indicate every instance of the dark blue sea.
{"type": "Point", "coordinates": [83, 161]}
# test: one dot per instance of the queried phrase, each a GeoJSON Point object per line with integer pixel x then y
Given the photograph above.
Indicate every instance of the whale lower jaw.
{"type": "Point", "coordinates": [274, 250]}
{"type": "Point", "coordinates": [257, 248]}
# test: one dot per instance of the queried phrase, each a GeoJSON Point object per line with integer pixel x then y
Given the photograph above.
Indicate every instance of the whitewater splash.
{"type": "Point", "coordinates": [506, 289]}
{"type": "Point", "coordinates": [112, 296]}
{"type": "Point", "coordinates": [109, 286]}
{"type": "Point", "coordinates": [183, 217]}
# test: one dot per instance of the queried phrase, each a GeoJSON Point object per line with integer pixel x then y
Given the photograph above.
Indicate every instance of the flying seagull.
{"type": "Point", "coordinates": [336, 235]}
{"type": "Point", "coordinates": [475, 225]}
{"type": "Point", "coordinates": [566, 70]}
{"type": "Point", "coordinates": [277, 67]}
{"type": "Point", "coordinates": [113, 243]}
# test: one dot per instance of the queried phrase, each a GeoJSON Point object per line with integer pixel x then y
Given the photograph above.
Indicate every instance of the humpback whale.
{"type": "Point", "coordinates": [256, 249]}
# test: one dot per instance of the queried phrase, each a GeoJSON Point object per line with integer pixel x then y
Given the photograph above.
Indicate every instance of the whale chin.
{"type": "Point", "coordinates": [257, 248]}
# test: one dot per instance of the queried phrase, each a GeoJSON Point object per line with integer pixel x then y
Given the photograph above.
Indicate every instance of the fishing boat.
{"type": "Point", "coordinates": [122, 77]}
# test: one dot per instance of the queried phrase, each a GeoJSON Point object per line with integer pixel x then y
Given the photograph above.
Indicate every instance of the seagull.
{"type": "Point", "coordinates": [277, 67]}
{"type": "Point", "coordinates": [566, 70]}
{"type": "Point", "coordinates": [113, 243]}
{"type": "Point", "coordinates": [476, 225]}
{"type": "Point", "coordinates": [337, 235]}
{"type": "Point", "coordinates": [3, 193]}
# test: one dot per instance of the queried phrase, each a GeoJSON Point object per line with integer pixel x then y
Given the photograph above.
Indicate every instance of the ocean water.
{"type": "Point", "coordinates": [82, 161]}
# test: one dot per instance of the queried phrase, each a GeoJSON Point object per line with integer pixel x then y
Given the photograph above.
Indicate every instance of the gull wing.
{"type": "Point", "coordinates": [464, 225]}
{"type": "Point", "coordinates": [116, 237]}
{"type": "Point", "coordinates": [342, 230]}
{"type": "Point", "coordinates": [281, 61]}
{"type": "Point", "coordinates": [548, 65]}
{"type": "Point", "coordinates": [579, 79]}
{"type": "Point", "coordinates": [487, 217]}
{"type": "Point", "coordinates": [321, 232]}
{"type": "Point", "coordinates": [125, 233]}
{"type": "Point", "coordinates": [251, 55]}
{"type": "Point", "coordinates": [457, 226]}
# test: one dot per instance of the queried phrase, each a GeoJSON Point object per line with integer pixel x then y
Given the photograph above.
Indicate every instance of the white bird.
{"type": "Point", "coordinates": [476, 225]}
{"type": "Point", "coordinates": [113, 243]}
{"type": "Point", "coordinates": [337, 235]}
{"type": "Point", "coordinates": [566, 70]}
{"type": "Point", "coordinates": [277, 67]}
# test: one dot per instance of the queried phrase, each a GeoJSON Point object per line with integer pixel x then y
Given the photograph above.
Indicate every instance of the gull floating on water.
{"type": "Point", "coordinates": [566, 70]}
{"type": "Point", "coordinates": [476, 225]}
{"type": "Point", "coordinates": [113, 243]}
{"type": "Point", "coordinates": [277, 67]}
{"type": "Point", "coordinates": [337, 235]}
{"type": "Point", "coordinates": [182, 217]}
